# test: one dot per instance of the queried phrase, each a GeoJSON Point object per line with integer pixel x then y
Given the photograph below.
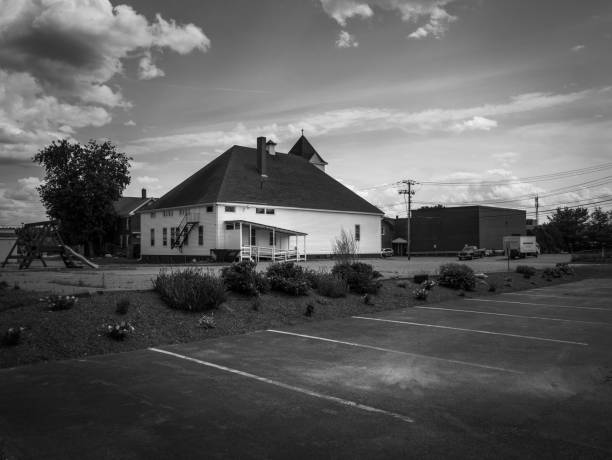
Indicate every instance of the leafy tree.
{"type": "Point", "coordinates": [80, 184]}
{"type": "Point", "coordinates": [599, 228]}
{"type": "Point", "coordinates": [571, 223]}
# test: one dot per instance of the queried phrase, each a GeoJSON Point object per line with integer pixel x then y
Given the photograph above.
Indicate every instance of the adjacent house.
{"type": "Point", "coordinates": [256, 203]}
{"type": "Point", "coordinates": [127, 237]}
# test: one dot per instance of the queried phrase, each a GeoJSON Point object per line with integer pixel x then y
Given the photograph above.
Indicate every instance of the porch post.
{"type": "Point", "coordinates": [305, 248]}
{"type": "Point", "coordinates": [273, 244]}
{"type": "Point", "coordinates": [250, 240]}
{"type": "Point", "coordinates": [240, 225]}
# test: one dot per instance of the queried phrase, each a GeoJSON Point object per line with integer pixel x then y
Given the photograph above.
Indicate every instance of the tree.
{"type": "Point", "coordinates": [571, 223]}
{"type": "Point", "coordinates": [80, 184]}
{"type": "Point", "coordinates": [599, 228]}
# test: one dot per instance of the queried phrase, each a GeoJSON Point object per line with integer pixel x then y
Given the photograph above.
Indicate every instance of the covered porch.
{"type": "Point", "coordinates": [266, 242]}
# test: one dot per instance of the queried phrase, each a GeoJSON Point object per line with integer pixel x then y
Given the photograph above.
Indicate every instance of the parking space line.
{"type": "Point", "coordinates": [518, 316]}
{"type": "Point", "coordinates": [539, 304]}
{"type": "Point", "coordinates": [315, 394]}
{"type": "Point", "coordinates": [389, 350]}
{"type": "Point", "coordinates": [409, 323]}
{"type": "Point", "coordinates": [537, 295]}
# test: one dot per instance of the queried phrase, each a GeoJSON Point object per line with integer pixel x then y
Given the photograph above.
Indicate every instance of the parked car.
{"type": "Point", "coordinates": [386, 252]}
{"type": "Point", "coordinates": [470, 252]}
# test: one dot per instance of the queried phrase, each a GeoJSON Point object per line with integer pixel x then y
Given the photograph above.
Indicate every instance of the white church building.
{"type": "Point", "coordinates": [259, 204]}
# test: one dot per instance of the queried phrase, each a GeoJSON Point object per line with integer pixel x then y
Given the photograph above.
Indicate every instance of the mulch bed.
{"type": "Point", "coordinates": [81, 330]}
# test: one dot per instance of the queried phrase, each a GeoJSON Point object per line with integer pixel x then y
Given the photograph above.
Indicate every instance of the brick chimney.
{"type": "Point", "coordinates": [261, 156]}
{"type": "Point", "coordinates": [144, 192]}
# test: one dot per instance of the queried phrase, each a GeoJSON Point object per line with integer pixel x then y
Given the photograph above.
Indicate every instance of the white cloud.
{"type": "Point", "coordinates": [577, 48]}
{"type": "Point", "coordinates": [346, 40]}
{"type": "Point", "coordinates": [21, 203]}
{"type": "Point", "coordinates": [147, 179]}
{"type": "Point", "coordinates": [129, 123]}
{"type": "Point", "coordinates": [357, 119]}
{"type": "Point", "coordinates": [57, 57]}
{"type": "Point", "coordinates": [506, 158]}
{"type": "Point", "coordinates": [147, 70]}
{"type": "Point", "coordinates": [437, 19]}
{"type": "Point", "coordinates": [474, 124]}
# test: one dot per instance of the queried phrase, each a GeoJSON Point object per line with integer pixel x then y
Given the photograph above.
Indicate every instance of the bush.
{"type": "Point", "coordinates": [420, 293]}
{"type": "Point", "coordinates": [3, 285]}
{"type": "Point", "coordinates": [457, 276]}
{"type": "Point", "coordinates": [361, 278]}
{"type": "Point", "coordinates": [119, 331]}
{"type": "Point", "coordinates": [345, 248]}
{"type": "Point", "coordinates": [241, 277]}
{"type": "Point", "coordinates": [12, 336]}
{"type": "Point", "coordinates": [526, 270]}
{"type": "Point", "coordinates": [550, 273]}
{"type": "Point", "coordinates": [418, 279]}
{"type": "Point", "coordinates": [59, 302]}
{"type": "Point", "coordinates": [333, 286]}
{"type": "Point", "coordinates": [190, 289]}
{"type": "Point", "coordinates": [564, 268]}
{"type": "Point", "coordinates": [289, 278]}
{"type": "Point", "coordinates": [122, 306]}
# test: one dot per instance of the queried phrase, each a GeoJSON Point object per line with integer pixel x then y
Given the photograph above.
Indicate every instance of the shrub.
{"type": "Point", "coordinates": [420, 293]}
{"type": "Point", "coordinates": [243, 278]}
{"type": "Point", "coordinates": [190, 289]}
{"type": "Point", "coordinates": [119, 331]}
{"type": "Point", "coordinates": [428, 285]}
{"type": "Point", "coordinates": [361, 278]}
{"type": "Point", "coordinates": [345, 248]}
{"type": "Point", "coordinates": [564, 268]}
{"type": "Point", "coordinates": [12, 336]}
{"type": "Point", "coordinates": [418, 279]}
{"type": "Point", "coordinates": [289, 278]}
{"type": "Point", "coordinates": [3, 285]}
{"type": "Point", "coordinates": [457, 276]}
{"type": "Point", "coordinates": [207, 321]}
{"type": "Point", "coordinates": [122, 306]}
{"type": "Point", "coordinates": [550, 273]}
{"type": "Point", "coordinates": [333, 286]}
{"type": "Point", "coordinates": [59, 302]}
{"type": "Point", "coordinates": [526, 270]}
{"type": "Point", "coordinates": [492, 287]}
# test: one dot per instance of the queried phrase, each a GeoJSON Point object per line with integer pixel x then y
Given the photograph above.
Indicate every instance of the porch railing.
{"type": "Point", "coordinates": [257, 253]}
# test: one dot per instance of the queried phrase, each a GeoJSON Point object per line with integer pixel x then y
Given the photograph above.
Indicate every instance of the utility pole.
{"type": "Point", "coordinates": [407, 192]}
{"type": "Point", "coordinates": [537, 208]}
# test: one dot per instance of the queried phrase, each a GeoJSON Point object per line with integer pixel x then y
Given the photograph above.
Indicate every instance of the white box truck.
{"type": "Point", "coordinates": [521, 246]}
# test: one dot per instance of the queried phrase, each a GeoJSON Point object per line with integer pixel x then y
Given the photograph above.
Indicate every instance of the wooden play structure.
{"type": "Point", "coordinates": [40, 240]}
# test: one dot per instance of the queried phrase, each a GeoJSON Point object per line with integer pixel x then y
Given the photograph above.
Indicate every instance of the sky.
{"type": "Point", "coordinates": [477, 101]}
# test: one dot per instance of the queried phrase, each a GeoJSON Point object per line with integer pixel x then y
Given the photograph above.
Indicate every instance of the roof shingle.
{"type": "Point", "coordinates": [291, 182]}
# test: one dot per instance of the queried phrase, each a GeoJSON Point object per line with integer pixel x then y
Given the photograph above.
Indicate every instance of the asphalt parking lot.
{"type": "Point", "coordinates": [521, 375]}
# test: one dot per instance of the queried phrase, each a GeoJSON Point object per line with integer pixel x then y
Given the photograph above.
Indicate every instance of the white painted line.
{"type": "Point", "coordinates": [344, 402]}
{"type": "Point", "coordinates": [472, 330]}
{"type": "Point", "coordinates": [538, 295]}
{"type": "Point", "coordinates": [389, 350]}
{"type": "Point", "coordinates": [538, 304]}
{"type": "Point", "coordinates": [517, 316]}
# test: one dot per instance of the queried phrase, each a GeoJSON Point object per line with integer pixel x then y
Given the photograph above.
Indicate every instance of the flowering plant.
{"type": "Point", "coordinates": [428, 285]}
{"type": "Point", "coordinates": [12, 336]}
{"type": "Point", "coordinates": [120, 330]}
{"type": "Point", "coordinates": [207, 321]}
{"type": "Point", "coordinates": [420, 293]}
{"type": "Point", "coordinates": [59, 302]}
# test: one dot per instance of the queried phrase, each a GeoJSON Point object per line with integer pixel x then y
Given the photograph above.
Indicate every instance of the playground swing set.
{"type": "Point", "coordinates": [39, 240]}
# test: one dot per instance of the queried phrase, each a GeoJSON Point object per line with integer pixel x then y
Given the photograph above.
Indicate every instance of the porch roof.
{"type": "Point", "coordinates": [399, 240]}
{"type": "Point", "coordinates": [269, 227]}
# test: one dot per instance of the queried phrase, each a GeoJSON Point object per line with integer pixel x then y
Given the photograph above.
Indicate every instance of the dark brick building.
{"type": "Point", "coordinates": [449, 229]}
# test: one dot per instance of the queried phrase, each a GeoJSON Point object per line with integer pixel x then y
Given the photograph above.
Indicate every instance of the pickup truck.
{"type": "Point", "coordinates": [470, 252]}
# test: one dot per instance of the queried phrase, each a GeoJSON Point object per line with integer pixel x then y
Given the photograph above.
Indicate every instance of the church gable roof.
{"type": "Point", "coordinates": [291, 181]}
{"type": "Point", "coordinates": [304, 149]}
